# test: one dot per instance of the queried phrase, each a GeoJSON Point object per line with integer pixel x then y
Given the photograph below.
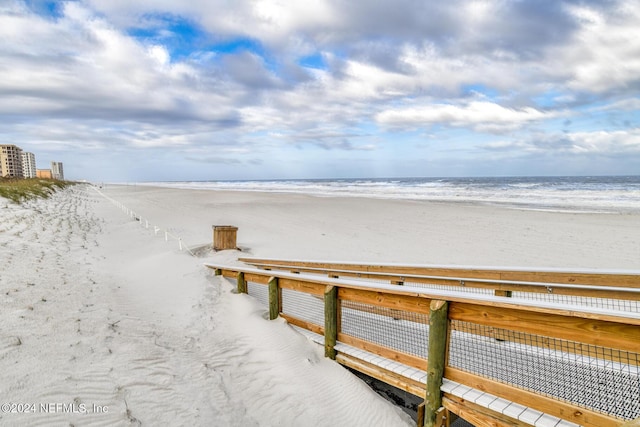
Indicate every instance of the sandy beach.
{"type": "Point", "coordinates": [393, 231]}
{"type": "Point", "coordinates": [106, 323]}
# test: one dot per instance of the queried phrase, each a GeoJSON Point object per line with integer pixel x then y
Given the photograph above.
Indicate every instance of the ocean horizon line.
{"type": "Point", "coordinates": [132, 182]}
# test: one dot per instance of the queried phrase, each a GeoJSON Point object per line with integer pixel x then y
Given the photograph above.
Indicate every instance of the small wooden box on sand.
{"type": "Point", "coordinates": [224, 237]}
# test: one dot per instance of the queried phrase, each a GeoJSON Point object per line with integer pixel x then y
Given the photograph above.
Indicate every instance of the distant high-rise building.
{"type": "Point", "coordinates": [56, 170]}
{"type": "Point", "coordinates": [28, 165]}
{"type": "Point", "coordinates": [10, 161]}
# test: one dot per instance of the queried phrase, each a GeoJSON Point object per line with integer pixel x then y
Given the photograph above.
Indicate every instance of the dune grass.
{"type": "Point", "coordinates": [18, 190]}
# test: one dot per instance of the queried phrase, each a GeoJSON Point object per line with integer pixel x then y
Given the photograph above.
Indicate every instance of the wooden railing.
{"type": "Point", "coordinates": [615, 285]}
{"type": "Point", "coordinates": [544, 359]}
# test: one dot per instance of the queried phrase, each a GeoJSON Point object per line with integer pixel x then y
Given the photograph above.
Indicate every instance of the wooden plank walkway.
{"type": "Point", "coordinates": [553, 363]}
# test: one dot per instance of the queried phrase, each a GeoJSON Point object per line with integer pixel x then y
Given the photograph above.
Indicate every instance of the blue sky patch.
{"type": "Point", "coordinates": [487, 92]}
{"type": "Point", "coordinates": [548, 99]}
{"type": "Point", "coordinates": [51, 9]}
{"type": "Point", "coordinates": [239, 45]}
{"type": "Point", "coordinates": [179, 35]}
{"type": "Point", "coordinates": [313, 61]}
{"type": "Point", "coordinates": [183, 37]}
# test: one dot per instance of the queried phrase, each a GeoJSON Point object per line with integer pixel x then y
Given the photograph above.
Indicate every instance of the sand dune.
{"type": "Point", "coordinates": [104, 323]}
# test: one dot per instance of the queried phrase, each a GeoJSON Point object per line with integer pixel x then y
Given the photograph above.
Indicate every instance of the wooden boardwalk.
{"type": "Point", "coordinates": [509, 357]}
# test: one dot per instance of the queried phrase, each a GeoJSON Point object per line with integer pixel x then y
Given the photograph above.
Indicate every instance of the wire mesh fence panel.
{"type": "Point", "coordinates": [352, 277]}
{"type": "Point", "coordinates": [303, 306]}
{"type": "Point", "coordinates": [259, 292]}
{"type": "Point", "coordinates": [628, 306]}
{"type": "Point", "coordinates": [597, 378]}
{"type": "Point", "coordinates": [400, 330]}
{"type": "Point", "coordinates": [455, 288]}
{"type": "Point", "coordinates": [379, 281]}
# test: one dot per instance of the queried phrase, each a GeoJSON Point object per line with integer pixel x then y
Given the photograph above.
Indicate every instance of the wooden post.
{"type": "Point", "coordinates": [330, 321]}
{"type": "Point", "coordinates": [438, 334]}
{"type": "Point", "coordinates": [420, 415]}
{"type": "Point", "coordinates": [242, 284]}
{"type": "Point", "coordinates": [274, 298]}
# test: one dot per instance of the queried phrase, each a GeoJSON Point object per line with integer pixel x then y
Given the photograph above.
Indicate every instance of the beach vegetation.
{"type": "Point", "coordinates": [19, 190]}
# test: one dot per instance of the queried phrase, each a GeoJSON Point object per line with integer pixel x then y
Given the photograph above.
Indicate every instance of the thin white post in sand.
{"type": "Point", "coordinates": [180, 243]}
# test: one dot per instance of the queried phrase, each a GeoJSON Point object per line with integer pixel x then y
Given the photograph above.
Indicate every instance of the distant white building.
{"type": "Point", "coordinates": [28, 165]}
{"type": "Point", "coordinates": [56, 170]}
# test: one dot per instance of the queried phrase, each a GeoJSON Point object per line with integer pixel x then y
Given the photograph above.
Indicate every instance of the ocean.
{"type": "Point", "coordinates": [609, 194]}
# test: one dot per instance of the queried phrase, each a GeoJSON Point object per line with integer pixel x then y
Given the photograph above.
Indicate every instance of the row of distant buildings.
{"type": "Point", "coordinates": [15, 163]}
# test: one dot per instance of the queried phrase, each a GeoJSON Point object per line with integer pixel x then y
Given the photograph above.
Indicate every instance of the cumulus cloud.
{"type": "Point", "coordinates": [595, 142]}
{"type": "Point", "coordinates": [630, 104]}
{"type": "Point", "coordinates": [329, 140]}
{"type": "Point", "coordinates": [81, 66]}
{"type": "Point", "coordinates": [161, 74]}
{"type": "Point", "coordinates": [481, 116]}
{"type": "Point", "coordinates": [603, 54]}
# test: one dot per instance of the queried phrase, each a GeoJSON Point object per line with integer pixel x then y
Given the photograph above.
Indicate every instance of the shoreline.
{"type": "Point", "coordinates": [544, 206]}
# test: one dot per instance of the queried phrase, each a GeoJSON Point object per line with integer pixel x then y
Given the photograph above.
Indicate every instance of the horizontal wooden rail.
{"type": "Point", "coordinates": [260, 276]}
{"type": "Point", "coordinates": [490, 317]}
{"type": "Point", "coordinates": [623, 285]}
{"type": "Point", "coordinates": [623, 278]}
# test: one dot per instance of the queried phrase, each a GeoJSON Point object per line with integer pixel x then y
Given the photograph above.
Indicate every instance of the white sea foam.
{"type": "Point", "coordinates": [574, 194]}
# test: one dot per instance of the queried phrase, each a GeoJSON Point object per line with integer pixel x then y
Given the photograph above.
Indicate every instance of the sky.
{"type": "Point", "coordinates": [167, 90]}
